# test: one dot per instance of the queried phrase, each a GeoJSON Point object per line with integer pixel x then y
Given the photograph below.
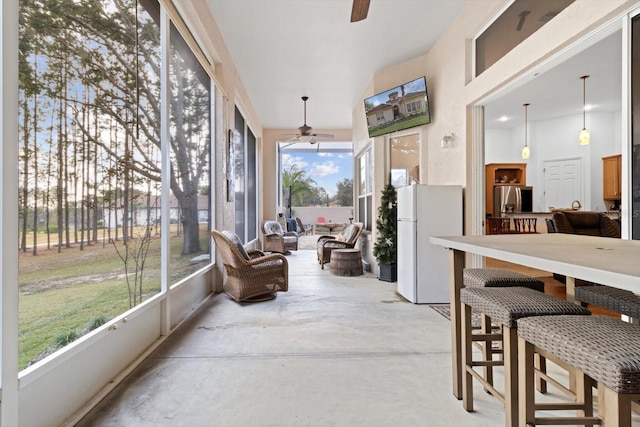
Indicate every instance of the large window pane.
{"type": "Point", "coordinates": [365, 196]}
{"type": "Point", "coordinates": [315, 175]}
{"type": "Point", "coordinates": [190, 160]}
{"type": "Point", "coordinates": [90, 166]}
{"type": "Point", "coordinates": [239, 176]}
{"type": "Point", "coordinates": [521, 19]}
{"type": "Point", "coordinates": [252, 187]}
{"type": "Point", "coordinates": [635, 127]}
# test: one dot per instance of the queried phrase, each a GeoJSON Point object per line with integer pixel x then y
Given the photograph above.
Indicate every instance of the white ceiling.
{"type": "Point", "coordinates": [558, 92]}
{"type": "Point", "coordinates": [284, 49]}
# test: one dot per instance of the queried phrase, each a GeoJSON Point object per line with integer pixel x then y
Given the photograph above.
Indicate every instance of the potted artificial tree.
{"type": "Point", "coordinates": [385, 248]}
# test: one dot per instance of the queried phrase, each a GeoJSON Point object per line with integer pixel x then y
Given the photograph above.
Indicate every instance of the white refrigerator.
{"type": "Point", "coordinates": [423, 268]}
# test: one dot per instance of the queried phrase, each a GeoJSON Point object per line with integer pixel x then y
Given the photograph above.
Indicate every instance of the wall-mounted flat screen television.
{"type": "Point", "coordinates": [402, 107]}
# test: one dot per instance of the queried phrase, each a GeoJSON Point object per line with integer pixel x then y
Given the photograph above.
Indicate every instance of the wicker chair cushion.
{"type": "Point", "coordinates": [497, 278]}
{"type": "Point", "coordinates": [506, 305]}
{"type": "Point", "coordinates": [604, 348]}
{"type": "Point", "coordinates": [233, 237]}
{"type": "Point", "coordinates": [273, 227]}
{"type": "Point", "coordinates": [614, 299]}
{"type": "Point", "coordinates": [290, 239]}
{"type": "Point", "coordinates": [349, 233]}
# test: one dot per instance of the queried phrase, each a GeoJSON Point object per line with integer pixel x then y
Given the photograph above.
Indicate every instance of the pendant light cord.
{"type": "Point", "coordinates": [584, 101]}
{"type": "Point", "coordinates": [526, 120]}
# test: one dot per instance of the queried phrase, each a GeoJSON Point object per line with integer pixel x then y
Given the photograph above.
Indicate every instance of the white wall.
{"type": "Point", "coordinates": [557, 139]}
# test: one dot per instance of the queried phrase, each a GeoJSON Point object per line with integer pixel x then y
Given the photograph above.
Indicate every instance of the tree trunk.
{"type": "Point", "coordinates": [25, 178]}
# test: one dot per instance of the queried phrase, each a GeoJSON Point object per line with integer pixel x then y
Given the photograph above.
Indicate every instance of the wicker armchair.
{"type": "Point", "coordinates": [274, 239]}
{"type": "Point", "coordinates": [250, 276]}
{"type": "Point", "coordinates": [303, 230]}
{"type": "Point", "coordinates": [347, 239]}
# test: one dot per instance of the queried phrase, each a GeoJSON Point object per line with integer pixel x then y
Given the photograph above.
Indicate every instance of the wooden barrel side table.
{"type": "Point", "coordinates": [346, 262]}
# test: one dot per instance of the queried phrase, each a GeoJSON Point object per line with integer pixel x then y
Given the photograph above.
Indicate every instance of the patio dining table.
{"type": "Point", "coordinates": [608, 261]}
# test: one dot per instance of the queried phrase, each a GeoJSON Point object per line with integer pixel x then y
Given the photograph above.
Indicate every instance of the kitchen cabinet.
{"type": "Point", "coordinates": [502, 174]}
{"type": "Point", "coordinates": [611, 177]}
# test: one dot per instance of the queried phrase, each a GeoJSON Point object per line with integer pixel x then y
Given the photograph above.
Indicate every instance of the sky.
{"type": "Point", "coordinates": [326, 169]}
{"type": "Point", "coordinates": [417, 85]}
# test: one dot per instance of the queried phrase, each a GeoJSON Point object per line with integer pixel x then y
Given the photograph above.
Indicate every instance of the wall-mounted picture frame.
{"type": "Point", "coordinates": [398, 177]}
{"type": "Point", "coordinates": [234, 138]}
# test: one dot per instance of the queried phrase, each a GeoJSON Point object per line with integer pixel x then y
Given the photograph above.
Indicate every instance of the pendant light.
{"type": "Point", "coordinates": [584, 137]}
{"type": "Point", "coordinates": [525, 149]}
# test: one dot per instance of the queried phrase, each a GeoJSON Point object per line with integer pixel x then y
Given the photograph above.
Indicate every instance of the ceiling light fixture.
{"type": "Point", "coordinates": [584, 137]}
{"type": "Point", "coordinates": [525, 150]}
{"type": "Point", "coordinates": [305, 138]}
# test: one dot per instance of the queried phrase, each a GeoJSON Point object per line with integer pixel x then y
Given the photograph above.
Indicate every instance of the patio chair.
{"type": "Point", "coordinates": [275, 239]}
{"type": "Point", "coordinates": [250, 276]}
{"type": "Point", "coordinates": [302, 230]}
{"type": "Point", "coordinates": [347, 239]}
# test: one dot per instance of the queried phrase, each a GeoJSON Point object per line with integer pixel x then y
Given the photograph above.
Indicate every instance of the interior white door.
{"type": "Point", "coordinates": [562, 183]}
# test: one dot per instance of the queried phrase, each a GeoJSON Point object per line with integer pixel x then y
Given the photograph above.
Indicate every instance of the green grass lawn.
{"type": "Point", "coordinates": [415, 121]}
{"type": "Point", "coordinates": [62, 293]}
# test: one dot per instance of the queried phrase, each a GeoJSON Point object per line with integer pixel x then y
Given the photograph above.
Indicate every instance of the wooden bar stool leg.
{"type": "Point", "coordinates": [614, 408]}
{"type": "Point", "coordinates": [541, 365]}
{"type": "Point", "coordinates": [467, 357]}
{"type": "Point", "coordinates": [510, 353]}
{"type": "Point", "coordinates": [526, 390]}
{"type": "Point", "coordinates": [487, 349]}
{"type": "Point", "coordinates": [584, 395]}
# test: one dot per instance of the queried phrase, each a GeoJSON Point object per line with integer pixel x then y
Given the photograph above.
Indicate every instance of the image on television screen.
{"type": "Point", "coordinates": [402, 107]}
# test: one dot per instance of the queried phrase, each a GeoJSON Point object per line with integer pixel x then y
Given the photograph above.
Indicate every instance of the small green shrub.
{"type": "Point", "coordinates": [64, 338]}
{"type": "Point", "coordinates": [96, 322]}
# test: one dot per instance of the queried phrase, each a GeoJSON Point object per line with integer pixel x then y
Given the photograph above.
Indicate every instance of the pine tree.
{"type": "Point", "coordinates": [385, 247]}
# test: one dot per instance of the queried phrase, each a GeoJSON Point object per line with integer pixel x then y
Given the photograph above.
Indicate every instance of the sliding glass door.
{"type": "Point", "coordinates": [635, 127]}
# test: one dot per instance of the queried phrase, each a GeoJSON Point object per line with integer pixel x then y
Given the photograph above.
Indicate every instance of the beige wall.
{"type": "Point", "coordinates": [451, 91]}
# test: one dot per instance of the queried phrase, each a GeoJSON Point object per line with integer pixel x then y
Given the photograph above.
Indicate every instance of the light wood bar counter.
{"type": "Point", "coordinates": [613, 262]}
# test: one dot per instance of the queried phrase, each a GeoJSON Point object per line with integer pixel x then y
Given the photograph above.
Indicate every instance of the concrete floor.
{"type": "Point", "coordinates": [333, 351]}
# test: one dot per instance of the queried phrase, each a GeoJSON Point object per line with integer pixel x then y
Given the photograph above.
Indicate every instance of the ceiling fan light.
{"type": "Point", "coordinates": [305, 138]}
{"type": "Point", "coordinates": [584, 137]}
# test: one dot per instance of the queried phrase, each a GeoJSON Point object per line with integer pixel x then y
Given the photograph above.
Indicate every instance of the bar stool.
{"type": "Point", "coordinates": [497, 278]}
{"type": "Point", "coordinates": [600, 348]}
{"type": "Point", "coordinates": [613, 299]}
{"type": "Point", "coordinates": [503, 306]}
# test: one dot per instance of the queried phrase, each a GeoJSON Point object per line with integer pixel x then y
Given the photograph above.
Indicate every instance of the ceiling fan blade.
{"type": "Point", "coordinates": [522, 17]}
{"type": "Point", "coordinates": [359, 10]}
{"type": "Point", "coordinates": [324, 135]}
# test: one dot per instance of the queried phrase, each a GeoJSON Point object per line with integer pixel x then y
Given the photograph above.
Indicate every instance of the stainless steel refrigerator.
{"type": "Point", "coordinates": [423, 268]}
{"type": "Point", "coordinates": [512, 199]}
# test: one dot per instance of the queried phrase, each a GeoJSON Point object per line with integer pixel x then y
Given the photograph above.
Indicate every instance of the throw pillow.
{"type": "Point", "coordinates": [235, 240]}
{"type": "Point", "coordinates": [339, 238]}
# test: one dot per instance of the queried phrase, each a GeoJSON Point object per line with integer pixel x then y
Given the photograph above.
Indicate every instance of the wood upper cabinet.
{"type": "Point", "coordinates": [502, 174]}
{"type": "Point", "coordinates": [611, 177]}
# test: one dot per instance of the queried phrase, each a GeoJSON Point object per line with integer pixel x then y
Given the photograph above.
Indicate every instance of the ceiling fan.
{"type": "Point", "coordinates": [359, 10]}
{"type": "Point", "coordinates": [306, 132]}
